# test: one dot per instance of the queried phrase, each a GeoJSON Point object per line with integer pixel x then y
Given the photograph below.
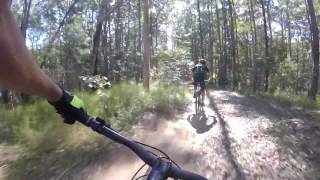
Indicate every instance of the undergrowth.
{"type": "Point", "coordinates": [291, 99]}
{"type": "Point", "coordinates": [49, 146]}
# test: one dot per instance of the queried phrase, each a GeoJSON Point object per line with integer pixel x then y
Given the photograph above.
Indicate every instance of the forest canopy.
{"type": "Point", "coordinates": [252, 45]}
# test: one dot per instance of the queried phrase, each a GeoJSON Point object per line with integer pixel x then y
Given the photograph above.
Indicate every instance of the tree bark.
{"type": "Point", "coordinates": [24, 27]}
{"type": "Point", "coordinates": [289, 28]}
{"type": "Point", "coordinates": [222, 81]}
{"type": "Point", "coordinates": [146, 44]}
{"type": "Point", "coordinates": [128, 26]}
{"type": "Point", "coordinates": [219, 49]}
{"type": "Point", "coordinates": [25, 18]}
{"type": "Point", "coordinates": [200, 29]}
{"type": "Point", "coordinates": [253, 47]}
{"type": "Point", "coordinates": [210, 51]}
{"type": "Point", "coordinates": [315, 50]}
{"type": "Point", "coordinates": [233, 45]}
{"type": "Point", "coordinates": [269, 23]}
{"type": "Point", "coordinates": [97, 35]}
{"type": "Point", "coordinates": [267, 63]}
{"type": "Point", "coordinates": [139, 70]}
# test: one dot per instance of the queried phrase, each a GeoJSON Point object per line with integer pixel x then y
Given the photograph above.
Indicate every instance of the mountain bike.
{"type": "Point", "coordinates": [198, 99]}
{"type": "Point", "coordinates": [160, 168]}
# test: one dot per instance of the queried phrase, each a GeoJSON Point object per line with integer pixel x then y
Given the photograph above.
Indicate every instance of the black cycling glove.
{"type": "Point", "coordinates": [70, 107]}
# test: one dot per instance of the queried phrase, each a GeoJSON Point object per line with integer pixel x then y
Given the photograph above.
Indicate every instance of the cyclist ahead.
{"type": "Point", "coordinates": [200, 73]}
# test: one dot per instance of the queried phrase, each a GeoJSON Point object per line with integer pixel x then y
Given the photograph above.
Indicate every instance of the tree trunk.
{"type": "Point", "coordinates": [24, 27]}
{"type": "Point", "coordinates": [128, 26]}
{"type": "Point", "coordinates": [267, 63]}
{"type": "Point", "coordinates": [128, 39]}
{"type": "Point", "coordinates": [25, 18]}
{"type": "Point", "coordinates": [315, 50]}
{"type": "Point", "coordinates": [110, 50]}
{"type": "Point", "coordinates": [269, 22]}
{"type": "Point", "coordinates": [283, 46]}
{"type": "Point", "coordinates": [146, 44]}
{"type": "Point", "coordinates": [223, 63]}
{"type": "Point", "coordinates": [254, 47]}
{"type": "Point", "coordinates": [139, 48]}
{"type": "Point", "coordinates": [233, 45]}
{"type": "Point", "coordinates": [95, 49]}
{"type": "Point", "coordinates": [289, 28]}
{"type": "Point", "coordinates": [210, 51]}
{"type": "Point", "coordinates": [156, 34]}
{"type": "Point", "coordinates": [118, 30]}
{"type": "Point", "coordinates": [105, 48]}
{"type": "Point", "coordinates": [96, 38]}
{"type": "Point", "coordinates": [200, 29]}
{"type": "Point", "coordinates": [219, 50]}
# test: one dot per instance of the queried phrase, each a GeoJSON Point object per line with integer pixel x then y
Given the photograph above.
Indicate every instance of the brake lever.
{"type": "Point", "coordinates": [103, 122]}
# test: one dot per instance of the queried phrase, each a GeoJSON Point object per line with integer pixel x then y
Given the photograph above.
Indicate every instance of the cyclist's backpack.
{"type": "Point", "coordinates": [199, 71]}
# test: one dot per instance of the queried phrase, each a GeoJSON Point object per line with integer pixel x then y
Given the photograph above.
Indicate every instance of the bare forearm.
{"type": "Point", "coordinates": [17, 69]}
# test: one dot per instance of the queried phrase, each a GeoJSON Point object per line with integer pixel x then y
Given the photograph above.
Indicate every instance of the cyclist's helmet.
{"type": "Point", "coordinates": [203, 61]}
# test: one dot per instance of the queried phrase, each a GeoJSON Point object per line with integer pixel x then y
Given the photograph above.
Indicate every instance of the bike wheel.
{"type": "Point", "coordinates": [196, 105]}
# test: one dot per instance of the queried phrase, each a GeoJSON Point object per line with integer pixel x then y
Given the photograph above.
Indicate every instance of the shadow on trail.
{"type": "Point", "coordinates": [297, 132]}
{"type": "Point", "coordinates": [226, 141]}
{"type": "Point", "coordinates": [201, 122]}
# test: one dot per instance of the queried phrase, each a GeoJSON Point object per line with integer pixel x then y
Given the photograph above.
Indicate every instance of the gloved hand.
{"type": "Point", "coordinates": [70, 107]}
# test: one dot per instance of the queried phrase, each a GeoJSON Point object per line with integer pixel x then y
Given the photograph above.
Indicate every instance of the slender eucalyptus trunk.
{"type": "Point", "coordinates": [233, 45]}
{"type": "Point", "coordinates": [289, 28]}
{"type": "Point", "coordinates": [211, 35]}
{"type": "Point", "coordinates": [146, 44]}
{"type": "Point", "coordinates": [97, 36]}
{"type": "Point", "coordinates": [223, 63]}
{"type": "Point", "coordinates": [24, 27]}
{"type": "Point", "coordinates": [315, 50]}
{"type": "Point", "coordinates": [200, 30]}
{"type": "Point", "coordinates": [267, 59]}
{"type": "Point", "coordinates": [253, 47]}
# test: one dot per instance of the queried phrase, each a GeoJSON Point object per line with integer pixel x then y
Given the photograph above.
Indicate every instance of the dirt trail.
{"type": "Point", "coordinates": [264, 140]}
{"type": "Point", "coordinates": [239, 137]}
{"type": "Point", "coordinates": [177, 136]}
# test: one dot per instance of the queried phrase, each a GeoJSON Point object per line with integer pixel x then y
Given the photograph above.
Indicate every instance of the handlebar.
{"type": "Point", "coordinates": [161, 169]}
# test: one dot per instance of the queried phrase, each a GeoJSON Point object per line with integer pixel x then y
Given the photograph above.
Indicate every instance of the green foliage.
{"type": "Point", "coordinates": [175, 98]}
{"type": "Point", "coordinates": [172, 65]}
{"type": "Point", "coordinates": [292, 99]}
{"type": "Point", "coordinates": [286, 71]}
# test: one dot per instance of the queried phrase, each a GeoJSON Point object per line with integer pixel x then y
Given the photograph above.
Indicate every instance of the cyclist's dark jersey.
{"type": "Point", "coordinates": [200, 74]}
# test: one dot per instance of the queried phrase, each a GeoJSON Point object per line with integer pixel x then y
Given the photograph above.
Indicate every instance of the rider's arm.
{"type": "Point", "coordinates": [191, 73]}
{"type": "Point", "coordinates": [17, 68]}
{"type": "Point", "coordinates": [208, 73]}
